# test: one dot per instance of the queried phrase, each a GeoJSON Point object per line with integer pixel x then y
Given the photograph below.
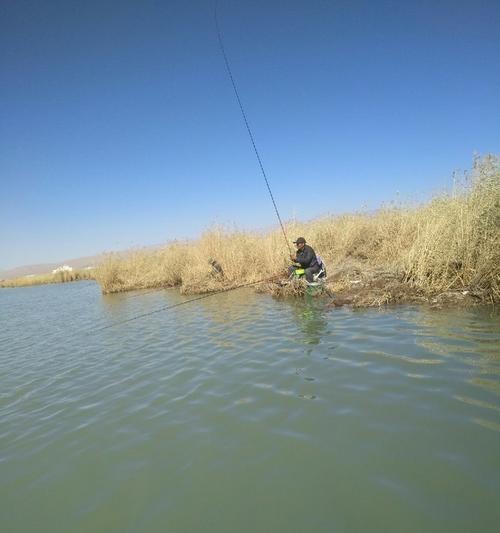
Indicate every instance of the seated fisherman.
{"type": "Point", "coordinates": [306, 257]}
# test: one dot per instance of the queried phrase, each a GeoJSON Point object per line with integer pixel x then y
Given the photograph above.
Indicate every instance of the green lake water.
{"type": "Point", "coordinates": [239, 413]}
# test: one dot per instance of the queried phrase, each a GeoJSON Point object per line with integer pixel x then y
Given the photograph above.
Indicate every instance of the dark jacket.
{"type": "Point", "coordinates": [307, 257]}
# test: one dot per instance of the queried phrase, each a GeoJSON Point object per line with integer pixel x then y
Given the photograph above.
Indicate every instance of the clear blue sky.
{"type": "Point", "coordinates": [119, 127]}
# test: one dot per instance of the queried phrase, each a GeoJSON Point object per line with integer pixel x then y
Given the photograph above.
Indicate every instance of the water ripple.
{"type": "Point", "coordinates": [187, 412]}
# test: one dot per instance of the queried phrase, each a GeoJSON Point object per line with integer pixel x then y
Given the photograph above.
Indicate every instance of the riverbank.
{"type": "Point", "coordinates": [358, 285]}
{"type": "Point", "coordinates": [449, 245]}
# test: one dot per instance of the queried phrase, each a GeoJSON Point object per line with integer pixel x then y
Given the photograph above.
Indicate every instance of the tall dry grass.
{"type": "Point", "coordinates": [450, 242]}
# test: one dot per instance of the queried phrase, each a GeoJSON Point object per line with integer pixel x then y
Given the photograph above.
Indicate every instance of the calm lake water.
{"type": "Point", "coordinates": [239, 413]}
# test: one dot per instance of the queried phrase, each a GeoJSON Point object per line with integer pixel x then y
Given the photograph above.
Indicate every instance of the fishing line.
{"type": "Point", "coordinates": [231, 77]}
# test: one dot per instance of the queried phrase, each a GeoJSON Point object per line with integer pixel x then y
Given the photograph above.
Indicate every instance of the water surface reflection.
{"type": "Point", "coordinates": [173, 420]}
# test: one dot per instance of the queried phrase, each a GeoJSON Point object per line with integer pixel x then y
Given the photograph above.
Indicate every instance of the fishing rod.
{"type": "Point", "coordinates": [231, 77]}
{"type": "Point", "coordinates": [178, 304]}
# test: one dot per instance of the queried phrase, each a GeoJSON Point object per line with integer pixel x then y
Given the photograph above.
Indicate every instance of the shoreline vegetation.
{"type": "Point", "coordinates": [43, 279]}
{"type": "Point", "coordinates": [444, 251]}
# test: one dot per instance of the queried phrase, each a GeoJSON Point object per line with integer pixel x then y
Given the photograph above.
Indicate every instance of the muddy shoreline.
{"type": "Point", "coordinates": [360, 286]}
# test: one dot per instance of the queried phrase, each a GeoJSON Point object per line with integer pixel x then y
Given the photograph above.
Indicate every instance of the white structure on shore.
{"type": "Point", "coordinates": [63, 268]}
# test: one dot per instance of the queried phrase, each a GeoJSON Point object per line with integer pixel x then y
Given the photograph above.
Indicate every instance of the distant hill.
{"type": "Point", "coordinates": [78, 263]}
{"type": "Point", "coordinates": [45, 268]}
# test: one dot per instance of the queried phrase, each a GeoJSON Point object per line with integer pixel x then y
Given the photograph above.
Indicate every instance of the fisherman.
{"type": "Point", "coordinates": [307, 259]}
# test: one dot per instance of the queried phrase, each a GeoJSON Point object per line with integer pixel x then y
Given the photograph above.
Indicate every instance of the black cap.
{"type": "Point", "coordinates": [300, 240]}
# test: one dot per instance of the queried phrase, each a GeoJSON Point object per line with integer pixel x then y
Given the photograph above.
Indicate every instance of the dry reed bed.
{"type": "Point", "coordinates": [451, 243]}
{"type": "Point", "coordinates": [42, 279]}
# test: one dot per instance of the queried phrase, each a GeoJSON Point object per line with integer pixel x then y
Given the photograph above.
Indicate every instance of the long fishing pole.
{"type": "Point", "coordinates": [178, 304]}
{"type": "Point", "coordinates": [231, 77]}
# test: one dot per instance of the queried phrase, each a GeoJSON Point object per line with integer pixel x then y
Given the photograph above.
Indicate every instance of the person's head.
{"type": "Point", "coordinates": [300, 243]}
